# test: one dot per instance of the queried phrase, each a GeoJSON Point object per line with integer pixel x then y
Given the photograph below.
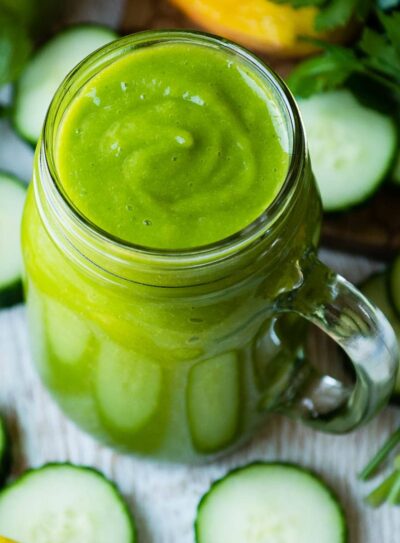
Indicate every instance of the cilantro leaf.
{"type": "Point", "coordinates": [324, 72]}
{"type": "Point", "coordinates": [376, 56]}
{"type": "Point", "coordinates": [334, 13]}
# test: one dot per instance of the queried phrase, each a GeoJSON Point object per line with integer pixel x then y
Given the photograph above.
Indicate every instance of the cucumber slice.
{"type": "Point", "coordinates": [65, 504]}
{"type": "Point", "coordinates": [12, 199]}
{"type": "Point", "coordinates": [352, 147]}
{"type": "Point", "coordinates": [394, 285]}
{"type": "Point", "coordinates": [46, 71]}
{"type": "Point", "coordinates": [213, 402]}
{"type": "Point", "coordinates": [4, 453]}
{"type": "Point", "coordinates": [69, 334]}
{"type": "Point", "coordinates": [376, 290]}
{"type": "Point", "coordinates": [128, 388]}
{"type": "Point", "coordinates": [270, 502]}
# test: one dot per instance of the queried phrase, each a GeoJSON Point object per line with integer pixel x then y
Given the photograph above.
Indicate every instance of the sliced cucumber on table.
{"type": "Point", "coordinates": [12, 199]}
{"type": "Point", "coordinates": [4, 452]}
{"type": "Point", "coordinates": [376, 289]}
{"type": "Point", "coordinates": [270, 502]}
{"type": "Point", "coordinates": [352, 147]}
{"type": "Point", "coordinates": [46, 71]}
{"type": "Point", "coordinates": [62, 503]}
{"type": "Point", "coordinates": [394, 285]}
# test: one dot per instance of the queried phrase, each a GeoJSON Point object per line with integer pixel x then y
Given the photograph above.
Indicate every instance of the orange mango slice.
{"type": "Point", "coordinates": [259, 24]}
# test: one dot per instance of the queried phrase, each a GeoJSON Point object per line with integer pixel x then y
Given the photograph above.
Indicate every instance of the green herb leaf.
{"type": "Point", "coordinates": [379, 496]}
{"type": "Point", "coordinates": [35, 15]}
{"type": "Point", "coordinates": [391, 25]}
{"type": "Point", "coordinates": [381, 456]}
{"type": "Point", "coordinates": [334, 13]}
{"type": "Point", "coordinates": [337, 13]}
{"type": "Point", "coordinates": [377, 56]}
{"type": "Point", "coordinates": [325, 72]}
{"type": "Point", "coordinates": [15, 47]}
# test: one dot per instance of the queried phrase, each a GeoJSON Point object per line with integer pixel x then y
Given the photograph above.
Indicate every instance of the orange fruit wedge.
{"type": "Point", "coordinates": [259, 24]}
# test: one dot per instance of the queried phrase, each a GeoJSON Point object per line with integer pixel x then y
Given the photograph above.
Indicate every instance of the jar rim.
{"type": "Point", "coordinates": [205, 253]}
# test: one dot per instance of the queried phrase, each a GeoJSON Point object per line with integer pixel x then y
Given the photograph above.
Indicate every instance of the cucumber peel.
{"type": "Point", "coordinates": [270, 502]}
{"type": "Point", "coordinates": [12, 199]}
{"type": "Point", "coordinates": [65, 503]}
{"type": "Point", "coordinates": [45, 72]}
{"type": "Point", "coordinates": [352, 147]}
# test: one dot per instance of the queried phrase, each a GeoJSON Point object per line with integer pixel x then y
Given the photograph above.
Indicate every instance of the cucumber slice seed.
{"type": "Point", "coordinates": [376, 289]}
{"type": "Point", "coordinates": [12, 199]}
{"type": "Point", "coordinates": [46, 71]}
{"type": "Point", "coordinates": [65, 504]}
{"type": "Point", "coordinates": [270, 502]}
{"type": "Point", "coordinates": [352, 147]}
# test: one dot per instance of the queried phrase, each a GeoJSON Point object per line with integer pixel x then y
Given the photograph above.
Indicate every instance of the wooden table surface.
{"type": "Point", "coordinates": [163, 497]}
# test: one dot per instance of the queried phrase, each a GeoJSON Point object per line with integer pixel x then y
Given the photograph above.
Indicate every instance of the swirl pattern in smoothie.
{"type": "Point", "coordinates": [173, 146]}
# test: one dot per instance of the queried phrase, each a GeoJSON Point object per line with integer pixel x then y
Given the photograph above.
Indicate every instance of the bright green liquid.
{"type": "Point", "coordinates": [179, 372]}
{"type": "Point", "coordinates": [173, 146]}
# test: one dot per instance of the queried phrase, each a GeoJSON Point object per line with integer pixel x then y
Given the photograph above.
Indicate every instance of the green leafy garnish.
{"type": "Point", "coordinates": [389, 490]}
{"type": "Point", "coordinates": [376, 56]}
{"type": "Point", "coordinates": [22, 22]}
{"type": "Point", "coordinates": [381, 456]}
{"type": "Point", "coordinates": [15, 46]}
{"type": "Point", "coordinates": [334, 13]}
{"type": "Point", "coordinates": [381, 494]}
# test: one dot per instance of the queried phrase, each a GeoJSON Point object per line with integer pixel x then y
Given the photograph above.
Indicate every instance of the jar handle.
{"type": "Point", "coordinates": [361, 330]}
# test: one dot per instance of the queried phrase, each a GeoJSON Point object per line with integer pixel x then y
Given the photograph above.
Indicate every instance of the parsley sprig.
{"type": "Point", "coordinates": [334, 13]}
{"type": "Point", "coordinates": [376, 56]}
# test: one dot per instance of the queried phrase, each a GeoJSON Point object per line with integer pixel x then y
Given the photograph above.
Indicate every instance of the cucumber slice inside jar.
{"type": "Point", "coordinates": [213, 402]}
{"type": "Point", "coordinates": [270, 502]}
{"type": "Point", "coordinates": [68, 334]}
{"type": "Point", "coordinates": [62, 503]}
{"type": "Point", "coordinates": [352, 147]}
{"type": "Point", "coordinates": [128, 388]}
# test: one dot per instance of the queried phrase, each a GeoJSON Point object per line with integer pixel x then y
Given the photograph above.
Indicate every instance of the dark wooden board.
{"type": "Point", "coordinates": [372, 229]}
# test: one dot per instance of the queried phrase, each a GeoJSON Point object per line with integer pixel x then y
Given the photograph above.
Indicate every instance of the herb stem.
{"type": "Point", "coordinates": [380, 456]}
{"type": "Point", "coordinates": [369, 72]}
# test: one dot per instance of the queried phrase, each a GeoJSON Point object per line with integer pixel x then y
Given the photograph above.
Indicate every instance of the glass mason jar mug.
{"type": "Point", "coordinates": [183, 354]}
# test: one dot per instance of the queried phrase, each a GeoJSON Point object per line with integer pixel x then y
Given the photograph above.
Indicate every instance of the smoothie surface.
{"type": "Point", "coordinates": [173, 146]}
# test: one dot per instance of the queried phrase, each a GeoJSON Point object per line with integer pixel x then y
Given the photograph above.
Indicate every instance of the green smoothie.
{"type": "Point", "coordinates": [169, 146]}
{"type": "Point", "coordinates": [173, 146]}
